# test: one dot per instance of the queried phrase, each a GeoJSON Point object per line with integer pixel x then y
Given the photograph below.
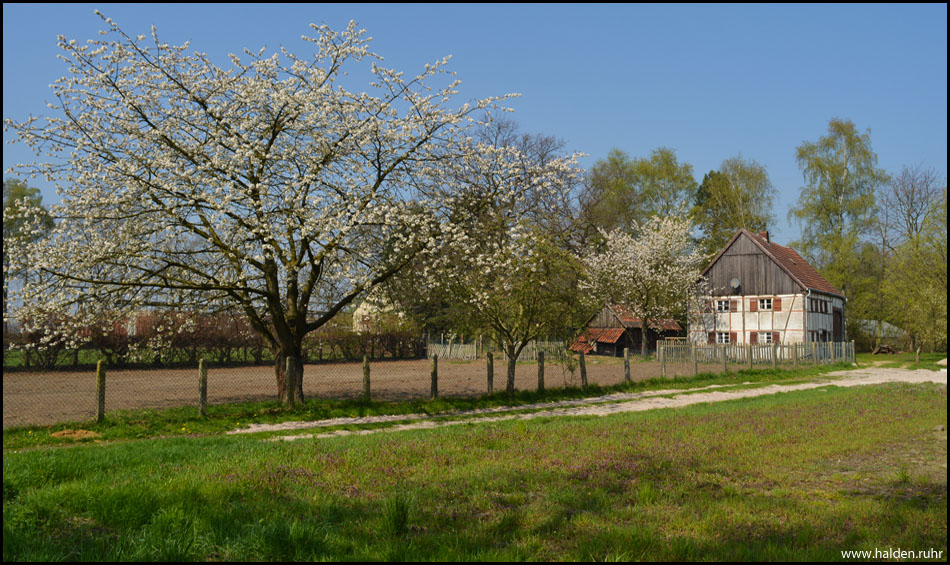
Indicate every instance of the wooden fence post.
{"type": "Point", "coordinates": [540, 371]}
{"type": "Point", "coordinates": [626, 364]}
{"type": "Point", "coordinates": [366, 387]}
{"type": "Point", "coordinates": [434, 392]}
{"type": "Point", "coordinates": [692, 355]}
{"type": "Point", "coordinates": [795, 355]}
{"type": "Point", "coordinates": [202, 388]}
{"type": "Point", "coordinates": [854, 354]}
{"type": "Point", "coordinates": [101, 391]}
{"type": "Point", "coordinates": [725, 362]}
{"type": "Point", "coordinates": [831, 351]}
{"type": "Point", "coordinates": [583, 371]}
{"type": "Point", "coordinates": [774, 354]}
{"type": "Point", "coordinates": [748, 354]}
{"type": "Point", "coordinates": [491, 372]}
{"type": "Point", "coordinates": [661, 353]}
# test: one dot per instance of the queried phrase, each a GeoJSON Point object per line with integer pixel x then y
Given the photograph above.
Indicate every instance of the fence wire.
{"type": "Point", "coordinates": [60, 396]}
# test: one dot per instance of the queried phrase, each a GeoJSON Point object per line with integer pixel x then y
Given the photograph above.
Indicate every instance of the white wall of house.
{"type": "Point", "coordinates": [789, 320]}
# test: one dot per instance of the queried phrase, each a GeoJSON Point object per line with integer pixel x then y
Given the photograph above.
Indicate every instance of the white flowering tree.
{"type": "Point", "coordinates": [517, 281]}
{"type": "Point", "coordinates": [654, 270]}
{"type": "Point", "coordinates": [268, 187]}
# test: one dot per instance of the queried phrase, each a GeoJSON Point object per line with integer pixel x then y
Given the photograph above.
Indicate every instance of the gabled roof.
{"type": "Point", "coordinates": [788, 260]}
{"type": "Point", "coordinates": [628, 320]}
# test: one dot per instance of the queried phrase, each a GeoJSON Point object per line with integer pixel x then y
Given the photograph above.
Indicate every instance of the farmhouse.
{"type": "Point", "coordinates": [614, 328]}
{"type": "Point", "coordinates": [762, 292]}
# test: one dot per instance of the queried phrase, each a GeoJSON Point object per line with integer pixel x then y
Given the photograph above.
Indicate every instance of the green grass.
{"type": "Point", "coordinates": [902, 360]}
{"type": "Point", "coordinates": [185, 421]}
{"type": "Point", "coordinates": [797, 476]}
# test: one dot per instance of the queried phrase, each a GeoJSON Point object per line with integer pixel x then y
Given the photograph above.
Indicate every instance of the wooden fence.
{"type": "Point", "coordinates": [812, 353]}
{"type": "Point", "coordinates": [554, 350]}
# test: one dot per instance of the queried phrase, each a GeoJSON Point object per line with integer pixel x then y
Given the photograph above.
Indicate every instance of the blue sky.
{"type": "Point", "coordinates": [710, 81]}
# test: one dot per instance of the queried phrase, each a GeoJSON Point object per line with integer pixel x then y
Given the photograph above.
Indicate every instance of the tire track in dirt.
{"type": "Point", "coordinates": [606, 405]}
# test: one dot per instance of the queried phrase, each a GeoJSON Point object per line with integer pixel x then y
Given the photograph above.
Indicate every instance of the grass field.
{"type": "Point", "coordinates": [796, 476]}
{"type": "Point", "coordinates": [902, 360]}
{"type": "Point", "coordinates": [185, 421]}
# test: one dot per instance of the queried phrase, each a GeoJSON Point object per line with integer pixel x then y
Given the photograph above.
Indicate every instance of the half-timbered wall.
{"type": "Point", "coordinates": [799, 318]}
{"type": "Point", "coordinates": [785, 319]}
{"type": "Point", "coordinates": [820, 322]}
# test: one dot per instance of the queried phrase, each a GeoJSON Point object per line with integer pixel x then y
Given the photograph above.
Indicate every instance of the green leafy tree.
{"type": "Point", "coordinates": [610, 199]}
{"type": "Point", "coordinates": [622, 192]}
{"type": "Point", "coordinates": [24, 220]}
{"type": "Point", "coordinates": [666, 185]}
{"type": "Point", "coordinates": [836, 207]}
{"type": "Point", "coordinates": [738, 195]}
{"type": "Point", "coordinates": [916, 288]}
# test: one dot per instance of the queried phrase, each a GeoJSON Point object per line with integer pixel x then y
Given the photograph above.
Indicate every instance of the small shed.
{"type": "Point", "coordinates": [614, 328]}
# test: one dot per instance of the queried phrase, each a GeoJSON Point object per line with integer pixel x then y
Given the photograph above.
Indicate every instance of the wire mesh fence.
{"type": "Point", "coordinates": [51, 397]}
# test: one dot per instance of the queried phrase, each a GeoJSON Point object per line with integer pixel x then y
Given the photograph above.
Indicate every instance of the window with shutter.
{"type": "Point", "coordinates": [712, 337]}
{"type": "Point", "coordinates": [754, 305]}
{"type": "Point", "coordinates": [733, 305]}
{"type": "Point", "coordinates": [775, 337]}
{"type": "Point", "coordinates": [777, 305]}
{"type": "Point", "coordinates": [753, 338]}
{"type": "Point", "coordinates": [733, 337]}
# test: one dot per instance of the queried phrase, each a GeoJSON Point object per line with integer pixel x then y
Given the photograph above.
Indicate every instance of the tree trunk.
{"type": "Point", "coordinates": [280, 364]}
{"type": "Point", "coordinates": [643, 340]}
{"type": "Point", "coordinates": [512, 360]}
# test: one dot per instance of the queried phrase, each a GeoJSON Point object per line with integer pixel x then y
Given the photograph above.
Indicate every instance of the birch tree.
{"type": "Point", "coordinates": [837, 207]}
{"type": "Point", "coordinates": [654, 273]}
{"type": "Point", "coordinates": [268, 186]}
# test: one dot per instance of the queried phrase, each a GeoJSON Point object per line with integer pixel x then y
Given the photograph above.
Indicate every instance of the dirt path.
{"type": "Point", "coordinates": [605, 405]}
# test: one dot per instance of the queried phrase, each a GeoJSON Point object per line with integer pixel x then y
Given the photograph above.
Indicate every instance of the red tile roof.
{"type": "Point", "coordinates": [584, 342]}
{"type": "Point", "coordinates": [799, 269]}
{"type": "Point", "coordinates": [629, 321]}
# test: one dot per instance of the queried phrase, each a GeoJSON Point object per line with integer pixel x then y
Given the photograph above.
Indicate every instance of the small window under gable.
{"type": "Point", "coordinates": [722, 337]}
{"type": "Point", "coordinates": [765, 304]}
{"type": "Point", "coordinates": [722, 306]}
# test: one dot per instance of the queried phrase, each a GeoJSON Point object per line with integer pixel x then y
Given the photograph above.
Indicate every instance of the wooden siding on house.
{"type": "Point", "coordinates": [758, 274]}
{"type": "Point", "coordinates": [605, 319]}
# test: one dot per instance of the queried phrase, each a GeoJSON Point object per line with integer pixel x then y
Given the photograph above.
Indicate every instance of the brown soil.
{"type": "Point", "coordinates": [54, 397]}
{"type": "Point", "coordinates": [75, 434]}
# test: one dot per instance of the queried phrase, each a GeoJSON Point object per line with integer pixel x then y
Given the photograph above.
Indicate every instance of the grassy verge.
{"type": "Point", "coordinates": [185, 421]}
{"type": "Point", "coordinates": [798, 476]}
{"type": "Point", "coordinates": [902, 360]}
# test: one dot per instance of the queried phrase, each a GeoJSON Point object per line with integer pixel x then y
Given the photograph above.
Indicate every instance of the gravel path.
{"type": "Point", "coordinates": [603, 405]}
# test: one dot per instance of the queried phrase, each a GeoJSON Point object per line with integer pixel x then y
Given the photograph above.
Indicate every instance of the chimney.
{"type": "Point", "coordinates": [765, 234]}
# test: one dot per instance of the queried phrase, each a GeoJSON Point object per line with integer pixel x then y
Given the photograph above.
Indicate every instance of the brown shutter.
{"type": "Point", "coordinates": [777, 304]}
{"type": "Point", "coordinates": [733, 306]}
{"type": "Point", "coordinates": [754, 338]}
{"type": "Point", "coordinates": [754, 305]}
{"type": "Point", "coordinates": [712, 337]}
{"type": "Point", "coordinates": [775, 337]}
{"type": "Point", "coordinates": [733, 338]}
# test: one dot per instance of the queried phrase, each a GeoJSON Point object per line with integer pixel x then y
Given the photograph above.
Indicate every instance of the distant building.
{"type": "Point", "coordinates": [614, 328]}
{"type": "Point", "coordinates": [763, 292]}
